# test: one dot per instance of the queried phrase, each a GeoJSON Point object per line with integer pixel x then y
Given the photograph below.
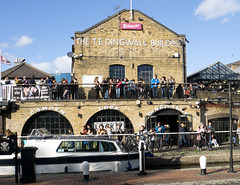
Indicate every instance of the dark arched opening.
{"type": "Point", "coordinates": [173, 118]}
{"type": "Point", "coordinates": [54, 122]}
{"type": "Point", "coordinates": [111, 118]}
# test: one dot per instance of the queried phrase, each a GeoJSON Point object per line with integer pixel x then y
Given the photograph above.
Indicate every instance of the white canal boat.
{"type": "Point", "coordinates": [56, 154]}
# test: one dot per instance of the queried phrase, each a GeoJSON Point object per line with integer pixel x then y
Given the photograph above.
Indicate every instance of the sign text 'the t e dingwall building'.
{"type": "Point", "coordinates": [134, 45]}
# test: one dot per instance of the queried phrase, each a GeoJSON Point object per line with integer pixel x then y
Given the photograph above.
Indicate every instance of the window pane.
{"type": "Point", "coordinates": [117, 71]}
{"type": "Point", "coordinates": [145, 72]}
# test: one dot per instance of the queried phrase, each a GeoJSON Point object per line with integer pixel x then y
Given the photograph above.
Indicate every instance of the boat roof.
{"type": "Point", "coordinates": [72, 137]}
{"type": "Point", "coordinates": [43, 133]}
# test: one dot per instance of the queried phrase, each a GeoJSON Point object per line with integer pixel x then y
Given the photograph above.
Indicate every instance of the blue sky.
{"type": "Point", "coordinates": [40, 31]}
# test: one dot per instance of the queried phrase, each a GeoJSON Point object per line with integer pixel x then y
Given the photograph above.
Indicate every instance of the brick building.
{"type": "Point", "coordinates": [120, 47]}
{"type": "Point", "coordinates": [134, 48]}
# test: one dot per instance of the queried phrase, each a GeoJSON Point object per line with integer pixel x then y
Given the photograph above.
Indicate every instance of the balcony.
{"type": "Point", "coordinates": [107, 91]}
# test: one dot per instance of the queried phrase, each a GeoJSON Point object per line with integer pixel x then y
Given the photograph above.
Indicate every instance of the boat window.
{"type": "Point", "coordinates": [78, 146]}
{"type": "Point", "coordinates": [87, 146]}
{"type": "Point", "coordinates": [107, 147]}
{"type": "Point", "coordinates": [67, 146]}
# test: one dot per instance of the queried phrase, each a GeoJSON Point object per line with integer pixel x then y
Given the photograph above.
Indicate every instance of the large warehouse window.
{"type": "Point", "coordinates": [222, 124]}
{"type": "Point", "coordinates": [54, 122]}
{"type": "Point", "coordinates": [145, 72]}
{"type": "Point", "coordinates": [117, 71]}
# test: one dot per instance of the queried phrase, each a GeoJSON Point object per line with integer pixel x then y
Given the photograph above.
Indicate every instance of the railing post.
{"type": "Point", "coordinates": [231, 170]}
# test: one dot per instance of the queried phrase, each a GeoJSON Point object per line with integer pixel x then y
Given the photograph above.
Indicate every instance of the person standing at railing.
{"type": "Point", "coordinates": [49, 82]}
{"type": "Point", "coordinates": [7, 81]}
{"type": "Point", "coordinates": [151, 135]}
{"type": "Point", "coordinates": [32, 80]}
{"type": "Point", "coordinates": [25, 80]}
{"type": "Point", "coordinates": [154, 86]}
{"type": "Point", "coordinates": [145, 90]}
{"type": "Point", "coordinates": [54, 90]}
{"type": "Point", "coordinates": [168, 137]}
{"type": "Point", "coordinates": [118, 88]}
{"type": "Point", "coordinates": [163, 84]}
{"type": "Point", "coordinates": [142, 133]}
{"type": "Point", "coordinates": [111, 89]}
{"type": "Point", "coordinates": [140, 88]}
{"type": "Point", "coordinates": [182, 135]}
{"type": "Point", "coordinates": [84, 132]}
{"type": "Point", "coordinates": [159, 130]}
{"type": "Point", "coordinates": [234, 133]}
{"type": "Point", "coordinates": [70, 132]}
{"type": "Point", "coordinates": [75, 89]}
{"type": "Point", "coordinates": [96, 87]}
{"type": "Point", "coordinates": [171, 86]}
{"type": "Point", "coordinates": [201, 137]}
{"type": "Point", "coordinates": [209, 133]}
{"type": "Point", "coordinates": [119, 131]}
{"type": "Point", "coordinates": [18, 81]}
{"type": "Point", "coordinates": [179, 91]}
{"type": "Point", "coordinates": [66, 92]}
{"type": "Point", "coordinates": [108, 130]}
{"type": "Point", "coordinates": [125, 86]}
{"type": "Point", "coordinates": [104, 87]}
{"type": "Point", "coordinates": [133, 88]}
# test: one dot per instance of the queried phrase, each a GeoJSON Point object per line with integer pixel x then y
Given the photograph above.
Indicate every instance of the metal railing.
{"type": "Point", "coordinates": [96, 91]}
{"type": "Point", "coordinates": [164, 141]}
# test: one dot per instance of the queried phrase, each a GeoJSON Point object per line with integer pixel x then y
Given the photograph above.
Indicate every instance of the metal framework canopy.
{"type": "Point", "coordinates": [215, 72]}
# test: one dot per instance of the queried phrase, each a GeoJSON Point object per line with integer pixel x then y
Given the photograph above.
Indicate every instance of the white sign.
{"type": "Point", "coordinates": [109, 107]}
{"type": "Point", "coordinates": [127, 42]}
{"type": "Point", "coordinates": [47, 108]}
{"type": "Point", "coordinates": [89, 79]}
{"type": "Point", "coordinates": [156, 109]}
{"type": "Point", "coordinates": [112, 124]}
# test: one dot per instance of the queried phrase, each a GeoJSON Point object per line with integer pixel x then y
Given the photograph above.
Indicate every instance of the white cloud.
{"type": "Point", "coordinates": [23, 41]}
{"type": "Point", "coordinates": [60, 64]}
{"type": "Point", "coordinates": [212, 9]}
{"type": "Point", "coordinates": [4, 45]}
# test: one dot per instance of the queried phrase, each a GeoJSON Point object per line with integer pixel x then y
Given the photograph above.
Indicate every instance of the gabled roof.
{"type": "Point", "coordinates": [233, 63]}
{"type": "Point", "coordinates": [120, 12]}
{"type": "Point", "coordinates": [24, 69]}
{"type": "Point", "coordinates": [216, 71]}
{"type": "Point", "coordinates": [237, 70]}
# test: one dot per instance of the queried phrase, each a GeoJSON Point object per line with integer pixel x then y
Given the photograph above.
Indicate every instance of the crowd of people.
{"type": "Point", "coordinates": [112, 88]}
{"type": "Point", "coordinates": [161, 135]}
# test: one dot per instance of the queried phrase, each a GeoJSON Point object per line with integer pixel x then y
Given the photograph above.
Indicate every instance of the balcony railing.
{"type": "Point", "coordinates": [94, 91]}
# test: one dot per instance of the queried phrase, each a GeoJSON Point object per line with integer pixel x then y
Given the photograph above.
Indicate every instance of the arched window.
{"type": "Point", "coordinates": [54, 122]}
{"type": "Point", "coordinates": [117, 71]}
{"type": "Point", "coordinates": [145, 72]}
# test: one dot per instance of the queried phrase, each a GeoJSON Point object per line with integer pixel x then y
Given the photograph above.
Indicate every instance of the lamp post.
{"type": "Point", "coordinates": [230, 124]}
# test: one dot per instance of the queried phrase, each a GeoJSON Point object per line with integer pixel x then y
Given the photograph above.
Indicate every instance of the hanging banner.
{"type": "Point", "coordinates": [31, 93]}
{"type": "Point", "coordinates": [17, 93]}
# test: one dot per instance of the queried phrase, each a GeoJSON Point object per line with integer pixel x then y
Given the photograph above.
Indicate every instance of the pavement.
{"type": "Point", "coordinates": [185, 176]}
{"type": "Point", "coordinates": [189, 176]}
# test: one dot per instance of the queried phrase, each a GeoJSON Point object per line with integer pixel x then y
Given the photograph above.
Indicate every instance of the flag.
{"type": "Point", "coordinates": [5, 61]}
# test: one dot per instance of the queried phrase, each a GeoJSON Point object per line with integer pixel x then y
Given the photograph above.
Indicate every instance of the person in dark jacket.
{"type": "Point", "coordinates": [179, 91]}
{"type": "Point", "coordinates": [182, 136]}
{"type": "Point", "coordinates": [32, 81]}
{"type": "Point", "coordinates": [209, 133]}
